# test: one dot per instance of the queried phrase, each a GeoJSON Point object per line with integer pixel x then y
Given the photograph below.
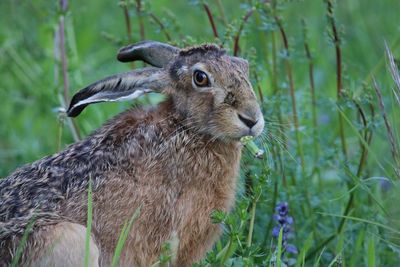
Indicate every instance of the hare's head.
{"type": "Point", "coordinates": [210, 89]}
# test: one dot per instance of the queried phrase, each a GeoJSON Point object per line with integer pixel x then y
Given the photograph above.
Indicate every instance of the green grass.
{"type": "Point", "coordinates": [123, 236]}
{"type": "Point", "coordinates": [22, 243]}
{"type": "Point", "coordinates": [88, 224]}
{"type": "Point", "coordinates": [279, 249]}
{"type": "Point", "coordinates": [337, 167]}
{"type": "Point", "coordinates": [371, 253]}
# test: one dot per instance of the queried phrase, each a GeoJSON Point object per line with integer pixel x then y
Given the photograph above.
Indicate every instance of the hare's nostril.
{"type": "Point", "coordinates": [248, 122]}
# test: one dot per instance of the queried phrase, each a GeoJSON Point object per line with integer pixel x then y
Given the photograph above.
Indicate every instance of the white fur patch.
{"type": "Point", "coordinates": [105, 97]}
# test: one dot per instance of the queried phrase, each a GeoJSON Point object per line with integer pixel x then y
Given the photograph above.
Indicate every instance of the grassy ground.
{"type": "Point", "coordinates": [334, 158]}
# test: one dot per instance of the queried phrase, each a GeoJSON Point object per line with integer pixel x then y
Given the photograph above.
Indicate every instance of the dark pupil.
{"type": "Point", "coordinates": [200, 77]}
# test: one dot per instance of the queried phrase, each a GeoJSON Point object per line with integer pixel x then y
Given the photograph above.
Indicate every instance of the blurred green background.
{"type": "Point", "coordinates": [31, 87]}
{"type": "Point", "coordinates": [31, 76]}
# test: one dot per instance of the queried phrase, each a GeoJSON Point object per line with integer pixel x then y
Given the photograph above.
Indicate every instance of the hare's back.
{"type": "Point", "coordinates": [41, 188]}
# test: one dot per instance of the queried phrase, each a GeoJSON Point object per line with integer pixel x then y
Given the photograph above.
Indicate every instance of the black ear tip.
{"type": "Point", "coordinates": [120, 57]}
{"type": "Point", "coordinates": [128, 53]}
{"type": "Point", "coordinates": [75, 107]}
{"type": "Point", "coordinates": [75, 111]}
{"type": "Point", "coordinates": [123, 57]}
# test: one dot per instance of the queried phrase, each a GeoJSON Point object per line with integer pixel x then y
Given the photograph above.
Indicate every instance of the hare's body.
{"type": "Point", "coordinates": [176, 163]}
{"type": "Point", "coordinates": [132, 163]}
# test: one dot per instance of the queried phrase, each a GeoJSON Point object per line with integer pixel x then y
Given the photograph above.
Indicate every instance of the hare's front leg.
{"type": "Point", "coordinates": [61, 245]}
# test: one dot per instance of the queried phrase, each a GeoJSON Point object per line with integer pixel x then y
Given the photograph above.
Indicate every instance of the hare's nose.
{"type": "Point", "coordinates": [247, 121]}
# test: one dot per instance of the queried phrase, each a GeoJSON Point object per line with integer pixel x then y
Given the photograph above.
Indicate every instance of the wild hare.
{"type": "Point", "coordinates": [177, 161]}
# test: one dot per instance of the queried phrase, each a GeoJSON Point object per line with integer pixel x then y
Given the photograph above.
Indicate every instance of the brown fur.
{"type": "Point", "coordinates": [178, 162]}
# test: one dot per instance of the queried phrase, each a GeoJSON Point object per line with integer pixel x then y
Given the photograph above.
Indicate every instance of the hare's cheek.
{"type": "Point", "coordinates": [207, 98]}
{"type": "Point", "coordinates": [219, 96]}
{"type": "Point", "coordinates": [229, 120]}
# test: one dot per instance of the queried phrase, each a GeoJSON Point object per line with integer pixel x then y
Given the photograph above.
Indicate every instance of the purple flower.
{"type": "Point", "coordinates": [284, 221]}
{"type": "Point", "coordinates": [291, 249]}
{"type": "Point", "coordinates": [282, 208]}
{"type": "Point", "coordinates": [275, 231]}
{"type": "Point", "coordinates": [385, 184]}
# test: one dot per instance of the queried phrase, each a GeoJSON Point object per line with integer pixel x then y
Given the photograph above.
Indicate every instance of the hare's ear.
{"type": "Point", "coordinates": [242, 63]}
{"type": "Point", "coordinates": [120, 87]}
{"type": "Point", "coordinates": [154, 53]}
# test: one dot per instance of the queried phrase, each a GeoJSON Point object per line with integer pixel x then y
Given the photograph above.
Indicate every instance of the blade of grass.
{"type": "Point", "coordinates": [393, 71]}
{"type": "Point", "coordinates": [339, 76]}
{"type": "Point", "coordinates": [88, 224]}
{"type": "Point", "coordinates": [22, 243]}
{"type": "Point", "coordinates": [279, 249]}
{"type": "Point", "coordinates": [393, 144]}
{"type": "Point", "coordinates": [123, 236]}
{"type": "Point", "coordinates": [360, 182]}
{"type": "Point", "coordinates": [357, 248]}
{"type": "Point", "coordinates": [375, 157]}
{"type": "Point", "coordinates": [371, 253]}
{"type": "Point", "coordinates": [363, 220]}
{"type": "Point", "coordinates": [229, 250]}
{"type": "Point", "coordinates": [305, 247]}
{"type": "Point", "coordinates": [335, 260]}
{"type": "Point", "coordinates": [316, 263]}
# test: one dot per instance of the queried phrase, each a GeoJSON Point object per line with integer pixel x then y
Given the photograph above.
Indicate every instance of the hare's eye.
{"type": "Point", "coordinates": [200, 78]}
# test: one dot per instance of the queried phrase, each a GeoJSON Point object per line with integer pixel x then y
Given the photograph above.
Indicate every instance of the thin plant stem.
{"type": "Point", "coordinates": [259, 89]}
{"type": "Point", "coordinates": [277, 94]}
{"type": "Point", "coordinates": [128, 25]}
{"type": "Point", "coordinates": [289, 73]}
{"type": "Point", "coordinates": [139, 11]}
{"type": "Point", "coordinates": [273, 204]}
{"type": "Point", "coordinates": [381, 63]}
{"type": "Point", "coordinates": [222, 12]}
{"type": "Point", "coordinates": [211, 19]}
{"type": "Point", "coordinates": [264, 40]}
{"type": "Point", "coordinates": [251, 226]}
{"type": "Point", "coordinates": [226, 256]}
{"type": "Point", "coordinates": [393, 146]}
{"type": "Point", "coordinates": [312, 92]}
{"type": "Point", "coordinates": [248, 182]}
{"type": "Point", "coordinates": [60, 131]}
{"type": "Point", "coordinates": [274, 66]}
{"type": "Point", "coordinates": [64, 64]}
{"type": "Point", "coordinates": [125, 8]}
{"type": "Point", "coordinates": [394, 72]}
{"type": "Point", "coordinates": [339, 86]}
{"type": "Point", "coordinates": [161, 25]}
{"type": "Point", "coordinates": [239, 32]}
{"type": "Point", "coordinates": [367, 138]}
